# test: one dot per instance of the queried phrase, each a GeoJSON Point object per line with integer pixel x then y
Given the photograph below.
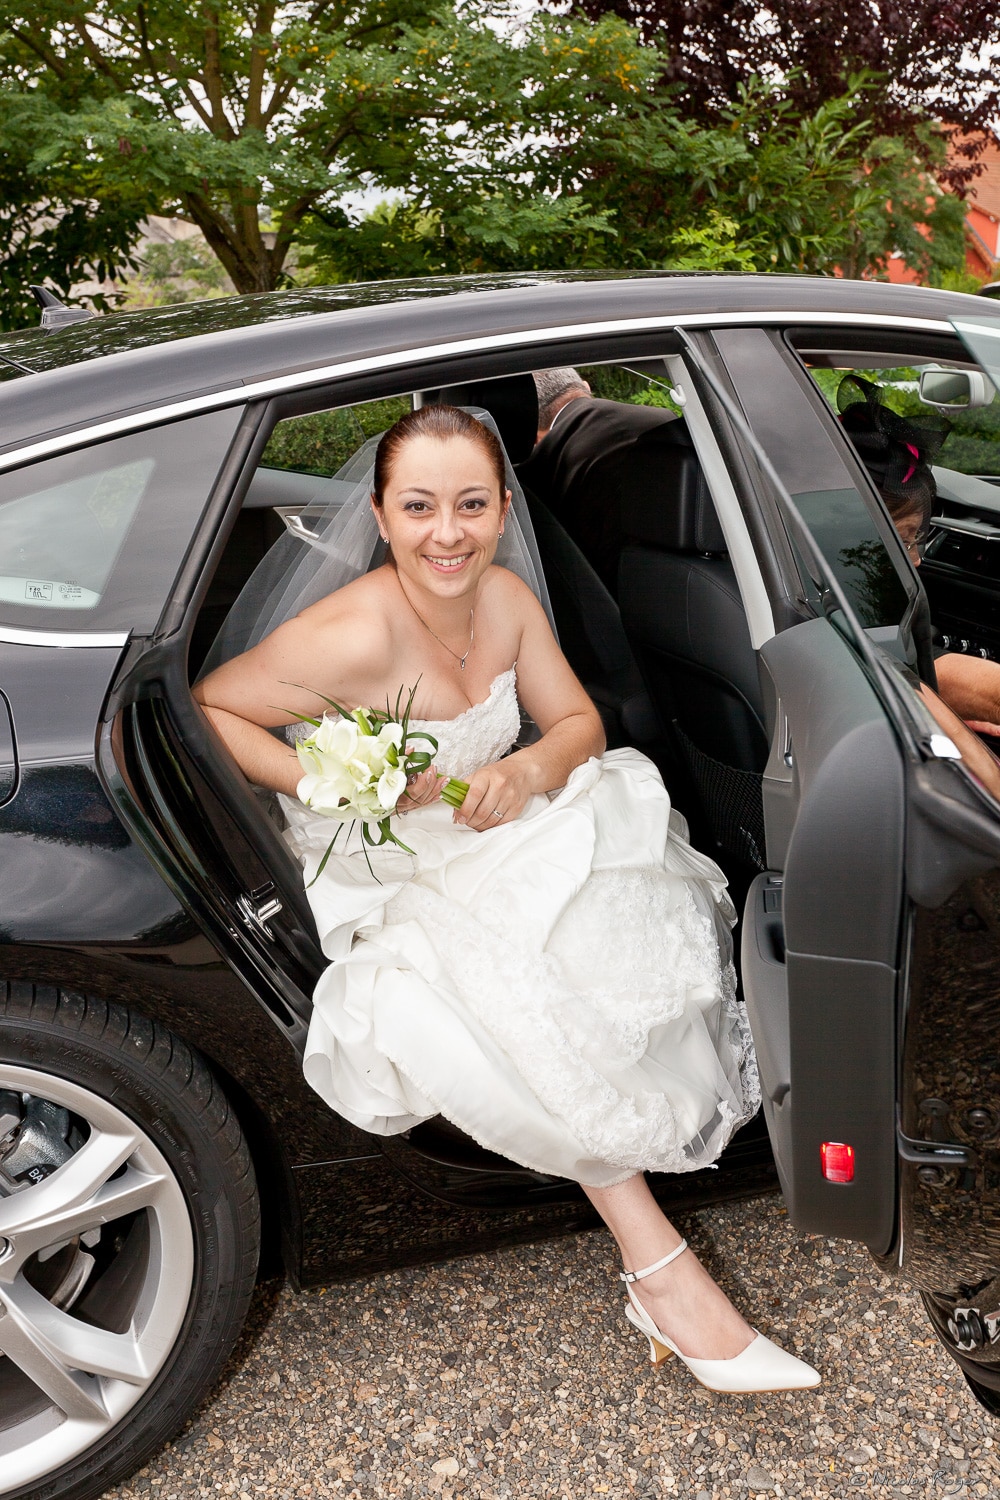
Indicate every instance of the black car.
{"type": "Point", "coordinates": [761, 639]}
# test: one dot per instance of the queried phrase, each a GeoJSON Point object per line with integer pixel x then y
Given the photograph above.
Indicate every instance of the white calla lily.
{"type": "Point", "coordinates": [391, 786]}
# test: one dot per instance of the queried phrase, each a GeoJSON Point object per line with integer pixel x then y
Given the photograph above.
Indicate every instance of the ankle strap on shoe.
{"type": "Point", "coordinates": [638, 1275]}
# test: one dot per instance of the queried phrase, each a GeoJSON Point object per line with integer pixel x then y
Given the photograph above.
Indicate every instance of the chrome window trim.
{"type": "Point", "coordinates": [11, 637]}
{"type": "Point", "coordinates": [281, 384]}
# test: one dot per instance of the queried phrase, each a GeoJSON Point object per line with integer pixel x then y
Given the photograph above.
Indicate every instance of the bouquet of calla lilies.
{"type": "Point", "coordinates": [356, 766]}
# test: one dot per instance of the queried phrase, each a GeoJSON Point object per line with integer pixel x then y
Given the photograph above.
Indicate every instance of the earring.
{"type": "Point", "coordinates": [499, 534]}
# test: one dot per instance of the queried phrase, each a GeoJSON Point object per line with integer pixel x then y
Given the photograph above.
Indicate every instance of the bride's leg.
{"type": "Point", "coordinates": [682, 1299]}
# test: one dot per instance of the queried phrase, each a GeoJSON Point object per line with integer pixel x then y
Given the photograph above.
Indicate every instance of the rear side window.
{"type": "Point", "coordinates": [94, 538]}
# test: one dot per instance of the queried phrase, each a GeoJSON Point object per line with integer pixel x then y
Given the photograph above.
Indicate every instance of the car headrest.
{"type": "Point", "coordinates": [672, 508]}
{"type": "Point", "coordinates": [511, 401]}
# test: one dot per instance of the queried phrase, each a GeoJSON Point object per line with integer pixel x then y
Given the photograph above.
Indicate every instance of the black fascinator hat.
{"type": "Point", "coordinates": [897, 451]}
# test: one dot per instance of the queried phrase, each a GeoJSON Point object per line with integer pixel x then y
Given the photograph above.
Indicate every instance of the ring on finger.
{"type": "Point", "coordinates": [496, 813]}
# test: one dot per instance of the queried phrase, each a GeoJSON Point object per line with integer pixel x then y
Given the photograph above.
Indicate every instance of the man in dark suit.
{"type": "Point", "coordinates": [590, 456]}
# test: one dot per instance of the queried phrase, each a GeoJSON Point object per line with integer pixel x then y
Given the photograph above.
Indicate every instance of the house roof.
{"type": "Point", "coordinates": [984, 190]}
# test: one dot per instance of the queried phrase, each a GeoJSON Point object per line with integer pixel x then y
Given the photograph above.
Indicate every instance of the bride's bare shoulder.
{"type": "Point", "coordinates": [511, 593]}
{"type": "Point", "coordinates": [365, 602]}
{"type": "Point", "coordinates": [348, 633]}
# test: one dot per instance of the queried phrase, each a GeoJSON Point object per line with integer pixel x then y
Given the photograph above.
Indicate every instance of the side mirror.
{"type": "Point", "coordinates": [954, 390]}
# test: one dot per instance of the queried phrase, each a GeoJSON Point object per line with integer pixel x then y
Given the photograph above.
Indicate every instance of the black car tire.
{"type": "Point", "coordinates": [160, 1284]}
{"type": "Point", "coordinates": [988, 1398]}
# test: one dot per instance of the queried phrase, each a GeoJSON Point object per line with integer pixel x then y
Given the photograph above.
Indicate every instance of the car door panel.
{"type": "Point", "coordinates": [820, 944]}
{"type": "Point", "coordinates": [881, 838]}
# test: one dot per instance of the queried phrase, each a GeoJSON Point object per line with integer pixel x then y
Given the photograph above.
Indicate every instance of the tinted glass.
{"type": "Point", "coordinates": [322, 442]}
{"type": "Point", "coordinates": [794, 435]}
{"type": "Point", "coordinates": [848, 538]}
{"type": "Point", "coordinates": [93, 539]}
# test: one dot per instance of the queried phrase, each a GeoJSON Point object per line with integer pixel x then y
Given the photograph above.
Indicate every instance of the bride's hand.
{"type": "Point", "coordinates": [497, 794]}
{"type": "Point", "coordinates": [421, 789]}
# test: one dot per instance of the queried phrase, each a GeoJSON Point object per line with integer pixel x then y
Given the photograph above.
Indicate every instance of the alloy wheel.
{"type": "Point", "coordinates": [97, 1263]}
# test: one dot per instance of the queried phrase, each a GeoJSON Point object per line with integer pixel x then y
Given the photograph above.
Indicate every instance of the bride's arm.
{"type": "Point", "coordinates": [571, 727]}
{"type": "Point", "coordinates": [277, 683]}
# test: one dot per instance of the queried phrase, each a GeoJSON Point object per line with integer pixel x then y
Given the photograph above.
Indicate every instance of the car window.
{"type": "Point", "coordinates": [94, 537]}
{"type": "Point", "coordinates": [959, 551]}
{"type": "Point", "coordinates": [321, 442]}
{"type": "Point", "coordinates": [972, 445]}
{"type": "Point", "coordinates": [842, 520]}
{"type": "Point", "coordinates": [300, 478]}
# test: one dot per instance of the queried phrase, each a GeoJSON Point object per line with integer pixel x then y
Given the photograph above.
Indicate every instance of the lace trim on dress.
{"type": "Point", "coordinates": [576, 1020]}
{"type": "Point", "coordinates": [480, 735]}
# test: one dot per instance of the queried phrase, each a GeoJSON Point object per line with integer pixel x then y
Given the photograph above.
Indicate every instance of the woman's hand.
{"type": "Point", "coordinates": [421, 789]}
{"type": "Point", "coordinates": [497, 793]}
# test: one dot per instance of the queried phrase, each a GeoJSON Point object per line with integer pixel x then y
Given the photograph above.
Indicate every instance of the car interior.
{"type": "Point", "coordinates": [666, 655]}
{"type": "Point", "coordinates": [669, 662]}
{"type": "Point", "coordinates": [960, 566]}
{"type": "Point", "coordinates": [659, 635]}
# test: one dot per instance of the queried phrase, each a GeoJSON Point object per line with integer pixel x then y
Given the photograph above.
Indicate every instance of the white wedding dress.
{"type": "Point", "coordinates": [559, 987]}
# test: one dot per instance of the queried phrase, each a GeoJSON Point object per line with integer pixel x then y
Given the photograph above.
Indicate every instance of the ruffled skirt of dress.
{"type": "Point", "coordinates": [559, 987]}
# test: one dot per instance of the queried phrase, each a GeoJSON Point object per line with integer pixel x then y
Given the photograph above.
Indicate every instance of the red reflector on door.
{"type": "Point", "coordinates": [837, 1161]}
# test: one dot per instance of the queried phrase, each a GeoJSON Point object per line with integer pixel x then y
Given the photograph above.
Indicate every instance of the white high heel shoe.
{"type": "Point", "coordinates": [761, 1366]}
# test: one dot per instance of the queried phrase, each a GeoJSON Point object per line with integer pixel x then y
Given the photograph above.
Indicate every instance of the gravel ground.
{"type": "Point", "coordinates": [513, 1376]}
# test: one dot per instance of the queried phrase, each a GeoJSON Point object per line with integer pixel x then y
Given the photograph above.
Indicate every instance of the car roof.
{"type": "Point", "coordinates": [124, 364]}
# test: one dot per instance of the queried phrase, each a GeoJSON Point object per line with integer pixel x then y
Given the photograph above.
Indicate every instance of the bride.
{"type": "Point", "coordinates": [549, 968]}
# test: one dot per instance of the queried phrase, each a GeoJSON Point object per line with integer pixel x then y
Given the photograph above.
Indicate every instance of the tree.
{"type": "Point", "coordinates": [56, 226]}
{"type": "Point", "coordinates": [938, 59]}
{"type": "Point", "coordinates": [495, 147]}
{"type": "Point", "coordinates": [763, 188]}
{"type": "Point", "coordinates": [248, 116]}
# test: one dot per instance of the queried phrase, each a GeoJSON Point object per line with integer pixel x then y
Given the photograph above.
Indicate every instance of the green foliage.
{"type": "Point", "coordinates": [57, 223]}
{"type": "Point", "coordinates": [958, 280]}
{"type": "Point", "coordinates": [770, 189]}
{"type": "Point", "coordinates": [225, 116]}
{"type": "Point", "coordinates": [173, 272]}
{"type": "Point", "coordinates": [322, 442]}
{"type": "Point", "coordinates": [497, 144]}
{"type": "Point", "coordinates": [620, 383]}
{"type": "Point", "coordinates": [615, 175]}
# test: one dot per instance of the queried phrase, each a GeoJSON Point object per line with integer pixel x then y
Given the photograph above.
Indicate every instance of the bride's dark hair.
{"type": "Point", "coordinates": [440, 422]}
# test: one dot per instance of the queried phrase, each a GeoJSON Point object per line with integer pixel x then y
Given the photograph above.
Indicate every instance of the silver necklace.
{"type": "Point", "coordinates": [472, 635]}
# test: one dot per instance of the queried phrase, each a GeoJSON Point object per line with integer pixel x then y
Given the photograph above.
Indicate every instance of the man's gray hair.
{"type": "Point", "coordinates": [550, 385]}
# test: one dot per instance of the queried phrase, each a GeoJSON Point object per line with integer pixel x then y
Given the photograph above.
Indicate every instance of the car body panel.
{"type": "Point", "coordinates": [329, 347]}
{"type": "Point", "coordinates": [307, 344]}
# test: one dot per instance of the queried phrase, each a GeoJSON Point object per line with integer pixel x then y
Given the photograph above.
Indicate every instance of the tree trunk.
{"type": "Point", "coordinates": [240, 249]}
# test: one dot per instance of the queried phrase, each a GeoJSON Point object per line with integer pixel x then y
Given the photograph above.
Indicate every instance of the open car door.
{"type": "Point", "coordinates": [871, 950]}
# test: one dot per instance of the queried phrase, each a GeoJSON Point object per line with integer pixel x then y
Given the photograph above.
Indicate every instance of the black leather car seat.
{"type": "Point", "coordinates": [684, 618]}
{"type": "Point", "coordinates": [587, 618]}
{"type": "Point", "coordinates": [592, 636]}
{"type": "Point", "coordinates": [511, 401]}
